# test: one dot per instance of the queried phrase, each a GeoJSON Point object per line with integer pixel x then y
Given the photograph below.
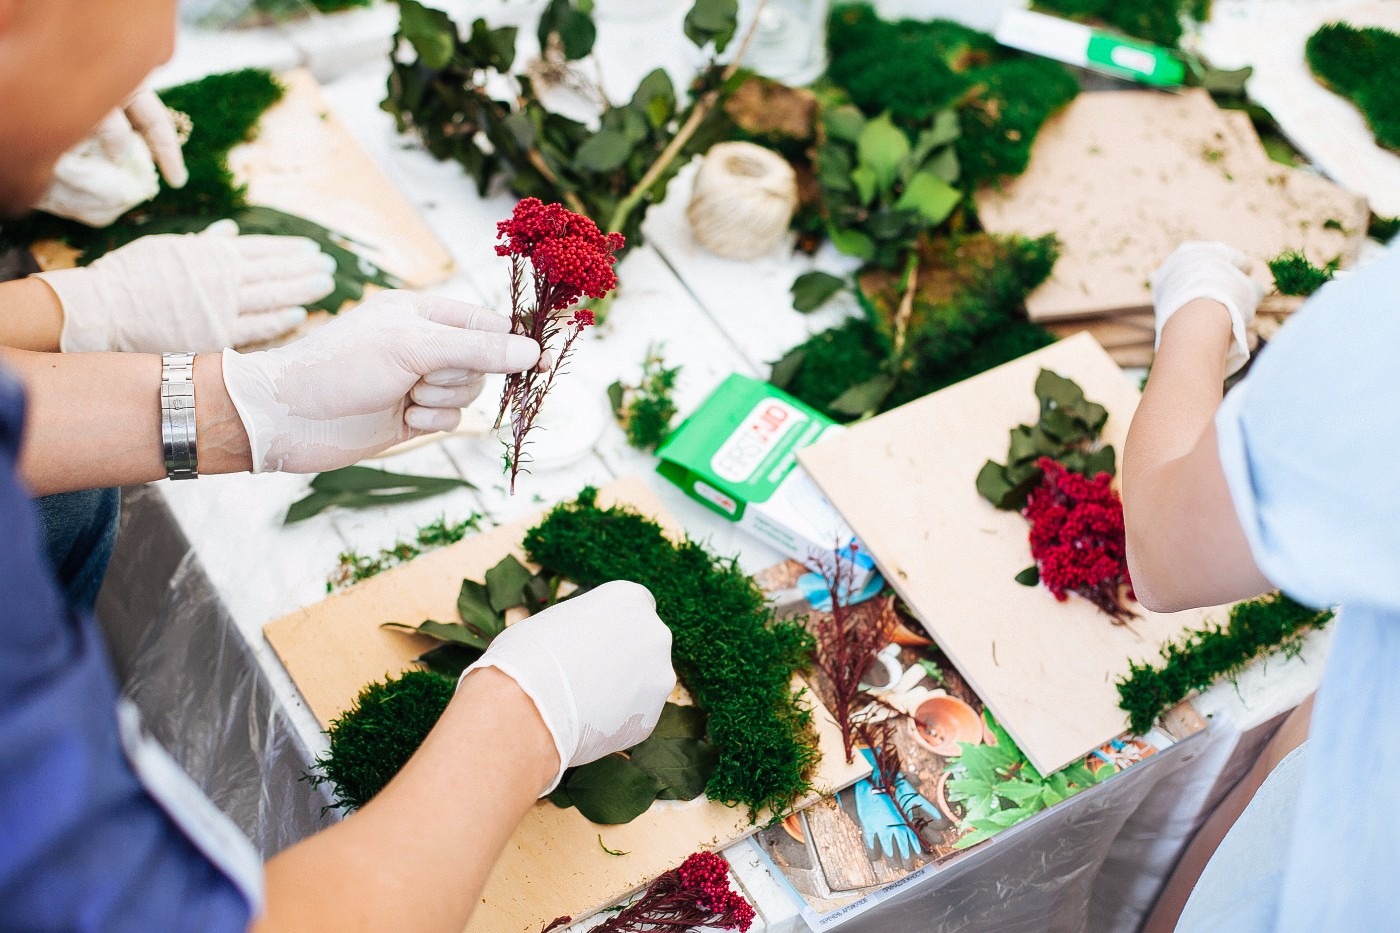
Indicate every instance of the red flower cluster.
{"type": "Point", "coordinates": [1077, 538]}
{"type": "Point", "coordinates": [697, 894]}
{"type": "Point", "coordinates": [566, 249]}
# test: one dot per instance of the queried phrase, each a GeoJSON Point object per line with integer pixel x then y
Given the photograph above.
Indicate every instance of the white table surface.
{"type": "Point", "coordinates": [710, 315]}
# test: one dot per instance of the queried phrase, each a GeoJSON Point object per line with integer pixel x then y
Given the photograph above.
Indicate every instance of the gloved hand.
{"type": "Point", "coordinates": [1200, 269]}
{"type": "Point", "coordinates": [399, 365]}
{"type": "Point", "coordinates": [880, 820]}
{"type": "Point", "coordinates": [598, 668]}
{"type": "Point", "coordinates": [114, 170]}
{"type": "Point", "coordinates": [200, 292]}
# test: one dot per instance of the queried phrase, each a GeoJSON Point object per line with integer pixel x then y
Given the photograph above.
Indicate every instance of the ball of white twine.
{"type": "Point", "coordinates": [743, 200]}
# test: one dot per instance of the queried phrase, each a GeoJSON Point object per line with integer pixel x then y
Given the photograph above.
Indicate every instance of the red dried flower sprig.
{"type": "Point", "coordinates": [1077, 538]}
{"type": "Point", "coordinates": [568, 258]}
{"type": "Point", "coordinates": [696, 894]}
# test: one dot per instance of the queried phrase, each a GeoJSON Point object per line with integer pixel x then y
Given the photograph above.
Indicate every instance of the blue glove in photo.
{"type": "Point", "coordinates": [879, 818]}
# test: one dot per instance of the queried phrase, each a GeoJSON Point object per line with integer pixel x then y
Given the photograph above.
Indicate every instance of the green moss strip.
{"type": "Point", "coordinates": [736, 659]}
{"type": "Point", "coordinates": [1362, 65]}
{"type": "Point", "coordinates": [1295, 275]}
{"type": "Point", "coordinates": [1256, 628]}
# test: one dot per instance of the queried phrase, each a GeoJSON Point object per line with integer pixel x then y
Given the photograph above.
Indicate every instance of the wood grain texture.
{"type": "Point", "coordinates": [906, 482]}
{"type": "Point", "coordinates": [1122, 177]}
{"type": "Point", "coordinates": [553, 865]}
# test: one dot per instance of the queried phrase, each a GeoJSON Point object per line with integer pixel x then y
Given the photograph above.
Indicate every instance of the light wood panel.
{"type": "Point", "coordinates": [906, 482]}
{"type": "Point", "coordinates": [553, 865]}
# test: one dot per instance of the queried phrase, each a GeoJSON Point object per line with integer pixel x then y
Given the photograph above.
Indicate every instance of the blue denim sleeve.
{"type": "Point", "coordinates": [83, 845]}
{"type": "Point", "coordinates": [1310, 443]}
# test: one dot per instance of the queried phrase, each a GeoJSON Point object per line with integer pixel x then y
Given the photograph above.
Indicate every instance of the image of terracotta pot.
{"type": "Point", "coordinates": [941, 722]}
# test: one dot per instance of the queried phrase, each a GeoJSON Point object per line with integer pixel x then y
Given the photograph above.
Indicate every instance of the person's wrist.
{"type": "Point", "coordinates": [490, 690]}
{"type": "Point", "coordinates": [223, 441]}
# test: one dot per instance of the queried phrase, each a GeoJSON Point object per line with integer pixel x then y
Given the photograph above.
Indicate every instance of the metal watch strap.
{"type": "Point", "coordinates": [177, 425]}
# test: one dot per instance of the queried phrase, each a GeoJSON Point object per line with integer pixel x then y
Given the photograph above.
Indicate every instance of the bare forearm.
{"type": "Point", "coordinates": [1185, 545]}
{"type": "Point", "coordinates": [418, 855]}
{"type": "Point", "coordinates": [31, 317]}
{"type": "Point", "coordinates": [94, 419]}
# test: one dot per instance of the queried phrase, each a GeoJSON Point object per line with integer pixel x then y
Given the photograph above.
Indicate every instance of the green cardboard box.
{"type": "Point", "coordinates": [737, 455]}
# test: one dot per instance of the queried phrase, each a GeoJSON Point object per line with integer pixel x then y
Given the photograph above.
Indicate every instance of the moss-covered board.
{"type": "Point", "coordinates": [304, 161]}
{"type": "Point", "coordinates": [1122, 177]}
{"type": "Point", "coordinates": [553, 865]}
{"type": "Point", "coordinates": [907, 483]}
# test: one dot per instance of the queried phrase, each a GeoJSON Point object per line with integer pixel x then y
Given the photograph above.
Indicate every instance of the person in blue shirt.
{"type": "Point", "coordinates": [1285, 483]}
{"type": "Point", "coordinates": [99, 829]}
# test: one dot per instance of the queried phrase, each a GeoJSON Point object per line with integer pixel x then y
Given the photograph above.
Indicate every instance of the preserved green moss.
{"type": "Point", "coordinates": [1362, 65]}
{"type": "Point", "coordinates": [1158, 21]}
{"type": "Point", "coordinates": [1256, 628]}
{"type": "Point", "coordinates": [736, 659]}
{"type": "Point", "coordinates": [1295, 275]}
{"type": "Point", "coordinates": [373, 739]}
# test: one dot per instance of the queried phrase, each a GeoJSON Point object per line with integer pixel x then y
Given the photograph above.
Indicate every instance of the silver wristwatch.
{"type": "Point", "coordinates": [177, 427]}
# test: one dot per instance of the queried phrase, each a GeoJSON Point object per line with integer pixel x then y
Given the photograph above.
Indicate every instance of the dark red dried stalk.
{"type": "Point", "coordinates": [568, 257]}
{"type": "Point", "coordinates": [847, 641]}
{"type": "Point", "coordinates": [696, 894]}
{"type": "Point", "coordinates": [878, 736]}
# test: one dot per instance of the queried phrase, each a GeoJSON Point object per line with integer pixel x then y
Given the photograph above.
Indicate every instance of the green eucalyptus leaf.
{"type": "Point", "coordinates": [612, 790]}
{"type": "Point", "coordinates": [1094, 415]}
{"type": "Point", "coordinates": [1059, 425]}
{"type": "Point", "coordinates": [560, 795]}
{"type": "Point", "coordinates": [576, 34]}
{"type": "Point", "coordinates": [945, 165]}
{"type": "Point", "coordinates": [540, 591]}
{"type": "Point", "coordinates": [844, 123]}
{"type": "Point", "coordinates": [681, 766]}
{"type": "Point", "coordinates": [491, 48]}
{"type": "Point", "coordinates": [616, 394]}
{"type": "Point", "coordinates": [863, 397]}
{"type": "Point", "coordinates": [1023, 446]}
{"type": "Point", "coordinates": [811, 290]}
{"type": "Point", "coordinates": [449, 660]}
{"type": "Point", "coordinates": [1101, 461]}
{"type": "Point", "coordinates": [881, 147]}
{"type": "Point", "coordinates": [712, 21]}
{"type": "Point", "coordinates": [1029, 577]}
{"type": "Point", "coordinates": [474, 606]}
{"type": "Point", "coordinates": [451, 632]}
{"type": "Point", "coordinates": [505, 584]}
{"type": "Point", "coordinates": [604, 152]}
{"type": "Point", "coordinates": [852, 243]}
{"type": "Point", "coordinates": [522, 129]}
{"type": "Point", "coordinates": [992, 483]}
{"type": "Point", "coordinates": [1052, 387]}
{"type": "Point", "coordinates": [680, 722]}
{"type": "Point", "coordinates": [311, 505]}
{"type": "Point", "coordinates": [656, 98]}
{"type": "Point", "coordinates": [431, 32]}
{"type": "Point", "coordinates": [783, 371]}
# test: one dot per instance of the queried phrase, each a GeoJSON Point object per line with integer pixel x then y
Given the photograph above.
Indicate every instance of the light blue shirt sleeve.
{"type": "Point", "coordinates": [1310, 444]}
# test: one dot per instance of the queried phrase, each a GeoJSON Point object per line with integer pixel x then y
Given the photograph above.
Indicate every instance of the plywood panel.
{"type": "Point", "coordinates": [553, 865]}
{"type": "Point", "coordinates": [1122, 177]}
{"type": "Point", "coordinates": [906, 482]}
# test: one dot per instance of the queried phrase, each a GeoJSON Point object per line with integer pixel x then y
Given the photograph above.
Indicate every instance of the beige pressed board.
{"type": "Point", "coordinates": [553, 865]}
{"type": "Point", "coordinates": [305, 162]}
{"type": "Point", "coordinates": [1122, 177]}
{"type": "Point", "coordinates": [906, 482]}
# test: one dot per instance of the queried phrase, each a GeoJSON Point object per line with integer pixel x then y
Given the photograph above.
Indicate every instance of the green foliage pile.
{"type": "Point", "coordinates": [224, 110]}
{"type": "Point", "coordinates": [373, 739]}
{"type": "Point", "coordinates": [1362, 65]}
{"type": "Point", "coordinates": [967, 317]}
{"type": "Point", "coordinates": [645, 411]}
{"type": "Point", "coordinates": [1158, 21]}
{"type": "Point", "coordinates": [912, 70]}
{"type": "Point", "coordinates": [736, 659]}
{"type": "Point", "coordinates": [353, 566]}
{"type": "Point", "coordinates": [1068, 432]}
{"type": "Point", "coordinates": [1258, 627]}
{"type": "Point", "coordinates": [1295, 275]}
{"type": "Point", "coordinates": [443, 94]}
{"type": "Point", "coordinates": [998, 787]}
{"type": "Point", "coordinates": [1384, 229]}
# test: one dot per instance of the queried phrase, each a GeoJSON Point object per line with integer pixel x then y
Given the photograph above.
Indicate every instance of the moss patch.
{"type": "Point", "coordinates": [373, 739]}
{"type": "Point", "coordinates": [1295, 275]}
{"type": "Point", "coordinates": [1158, 21]}
{"type": "Point", "coordinates": [1362, 65]}
{"type": "Point", "coordinates": [729, 650]}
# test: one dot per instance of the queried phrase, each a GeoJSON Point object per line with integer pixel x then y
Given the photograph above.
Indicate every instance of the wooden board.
{"type": "Point", "coordinates": [1122, 177]}
{"type": "Point", "coordinates": [553, 865]}
{"type": "Point", "coordinates": [906, 482]}
{"type": "Point", "coordinates": [304, 161]}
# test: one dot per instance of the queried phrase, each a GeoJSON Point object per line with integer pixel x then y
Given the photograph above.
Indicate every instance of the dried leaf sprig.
{"type": "Point", "coordinates": [567, 257]}
{"type": "Point", "coordinates": [847, 640]}
{"type": "Point", "coordinates": [695, 894]}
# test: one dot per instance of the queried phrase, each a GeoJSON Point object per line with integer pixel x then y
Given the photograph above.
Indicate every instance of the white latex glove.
{"type": "Point", "coordinates": [399, 365]}
{"type": "Point", "coordinates": [114, 170]}
{"type": "Point", "coordinates": [598, 668]}
{"type": "Point", "coordinates": [1200, 269]}
{"type": "Point", "coordinates": [200, 292]}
